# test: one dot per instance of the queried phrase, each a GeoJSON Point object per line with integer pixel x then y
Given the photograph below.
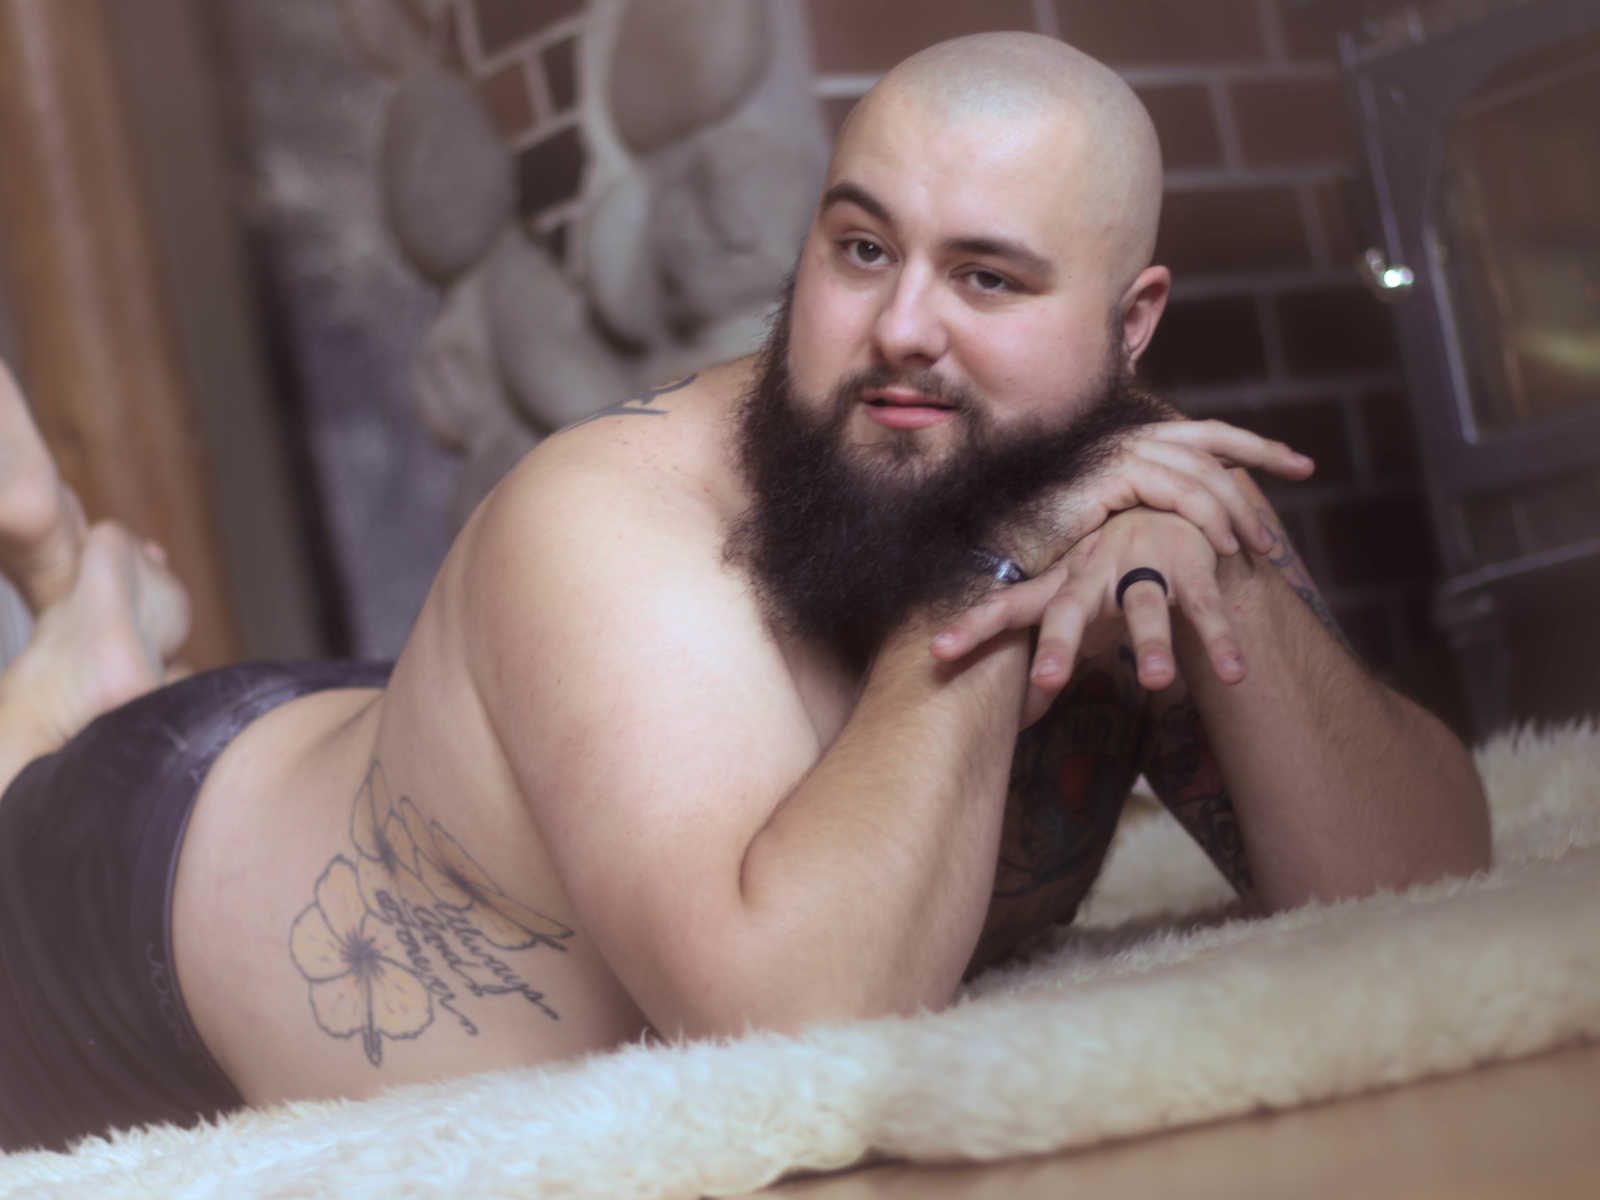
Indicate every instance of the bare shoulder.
{"type": "Point", "coordinates": [642, 491]}
{"type": "Point", "coordinates": [649, 720]}
{"type": "Point", "coordinates": [609, 641]}
{"type": "Point", "coordinates": [644, 469]}
{"type": "Point", "coordinates": [668, 442]}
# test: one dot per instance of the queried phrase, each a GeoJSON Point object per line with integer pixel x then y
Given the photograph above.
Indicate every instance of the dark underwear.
{"type": "Point", "coordinates": [94, 1035]}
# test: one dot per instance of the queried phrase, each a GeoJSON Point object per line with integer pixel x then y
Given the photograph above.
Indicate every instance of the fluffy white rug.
{"type": "Point", "coordinates": [1141, 1017]}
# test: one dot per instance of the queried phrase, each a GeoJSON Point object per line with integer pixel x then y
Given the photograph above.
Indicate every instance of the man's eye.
{"type": "Point", "coordinates": [863, 252]}
{"type": "Point", "coordinates": [989, 281]}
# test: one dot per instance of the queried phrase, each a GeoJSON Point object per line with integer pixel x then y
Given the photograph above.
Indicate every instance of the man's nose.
{"type": "Point", "coordinates": [910, 327]}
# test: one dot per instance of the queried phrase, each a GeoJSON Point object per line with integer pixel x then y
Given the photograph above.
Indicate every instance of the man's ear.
{"type": "Point", "coordinates": [1141, 306]}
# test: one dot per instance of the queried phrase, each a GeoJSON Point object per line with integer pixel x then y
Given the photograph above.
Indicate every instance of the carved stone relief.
{"type": "Point", "coordinates": [703, 146]}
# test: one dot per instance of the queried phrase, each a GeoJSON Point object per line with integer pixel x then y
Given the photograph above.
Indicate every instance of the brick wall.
{"type": "Point", "coordinates": [1268, 327]}
{"type": "Point", "coordinates": [523, 57]}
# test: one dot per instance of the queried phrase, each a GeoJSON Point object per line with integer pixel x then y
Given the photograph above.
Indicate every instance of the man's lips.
{"type": "Point", "coordinates": [895, 409]}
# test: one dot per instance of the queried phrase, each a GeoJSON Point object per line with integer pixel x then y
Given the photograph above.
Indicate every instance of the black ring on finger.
{"type": "Point", "coordinates": [1139, 575]}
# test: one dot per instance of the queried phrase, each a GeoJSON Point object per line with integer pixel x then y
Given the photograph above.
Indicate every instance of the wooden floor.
{"type": "Point", "coordinates": [1528, 1130]}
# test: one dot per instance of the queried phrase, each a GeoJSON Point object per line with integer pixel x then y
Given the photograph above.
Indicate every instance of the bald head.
{"type": "Point", "coordinates": [1023, 78]}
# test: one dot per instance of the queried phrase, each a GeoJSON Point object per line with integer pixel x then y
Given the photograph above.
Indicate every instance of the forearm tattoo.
{"type": "Point", "coordinates": [1070, 774]}
{"type": "Point", "coordinates": [410, 925]}
{"type": "Point", "coordinates": [1181, 765]}
{"type": "Point", "coordinates": [1184, 773]}
{"type": "Point", "coordinates": [1283, 556]}
{"type": "Point", "coordinates": [636, 406]}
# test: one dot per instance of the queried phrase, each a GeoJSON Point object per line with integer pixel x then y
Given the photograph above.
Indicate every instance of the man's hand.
{"type": "Point", "coordinates": [1074, 604]}
{"type": "Point", "coordinates": [1180, 467]}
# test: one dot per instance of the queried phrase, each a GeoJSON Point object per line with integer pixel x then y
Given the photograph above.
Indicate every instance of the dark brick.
{"type": "Point", "coordinates": [1367, 628]}
{"type": "Point", "coordinates": [849, 35]}
{"type": "Point", "coordinates": [560, 61]}
{"type": "Point", "coordinates": [1335, 329]}
{"type": "Point", "coordinates": [1339, 233]}
{"type": "Point", "coordinates": [1206, 342]}
{"type": "Point", "coordinates": [1377, 541]}
{"type": "Point", "coordinates": [1426, 670]}
{"type": "Point", "coordinates": [1161, 31]}
{"type": "Point", "coordinates": [504, 23]}
{"type": "Point", "coordinates": [1314, 427]}
{"type": "Point", "coordinates": [1417, 621]}
{"type": "Point", "coordinates": [1185, 123]}
{"type": "Point", "coordinates": [505, 94]}
{"type": "Point", "coordinates": [1234, 229]}
{"type": "Point", "coordinates": [1296, 526]}
{"type": "Point", "coordinates": [550, 172]}
{"type": "Point", "coordinates": [1293, 122]}
{"type": "Point", "coordinates": [1390, 434]}
{"type": "Point", "coordinates": [1311, 27]}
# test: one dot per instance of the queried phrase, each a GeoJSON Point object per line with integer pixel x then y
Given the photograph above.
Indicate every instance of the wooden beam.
{"type": "Point", "coordinates": [95, 340]}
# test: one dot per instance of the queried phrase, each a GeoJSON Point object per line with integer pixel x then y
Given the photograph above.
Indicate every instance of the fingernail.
{"type": "Point", "coordinates": [1230, 545]}
{"type": "Point", "coordinates": [1047, 668]}
{"type": "Point", "coordinates": [944, 641]}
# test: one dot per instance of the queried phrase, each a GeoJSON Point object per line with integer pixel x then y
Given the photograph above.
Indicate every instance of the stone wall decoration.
{"type": "Point", "coordinates": [608, 195]}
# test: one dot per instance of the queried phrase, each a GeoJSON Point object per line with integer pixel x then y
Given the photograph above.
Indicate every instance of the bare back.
{"type": "Point", "coordinates": [365, 895]}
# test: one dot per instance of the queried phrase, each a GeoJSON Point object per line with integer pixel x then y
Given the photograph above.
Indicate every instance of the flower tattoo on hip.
{"type": "Point", "coordinates": [407, 926]}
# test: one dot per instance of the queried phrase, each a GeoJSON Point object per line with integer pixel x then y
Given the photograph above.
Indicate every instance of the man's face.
{"type": "Point", "coordinates": [844, 542]}
{"type": "Point", "coordinates": [951, 277]}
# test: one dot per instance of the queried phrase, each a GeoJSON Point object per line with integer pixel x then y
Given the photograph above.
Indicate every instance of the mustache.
{"type": "Point", "coordinates": [929, 383]}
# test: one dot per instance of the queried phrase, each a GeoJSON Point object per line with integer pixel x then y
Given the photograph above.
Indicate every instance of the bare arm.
{"type": "Point", "coordinates": [735, 864]}
{"type": "Point", "coordinates": [1301, 774]}
{"type": "Point", "coordinates": [876, 871]}
{"type": "Point", "coordinates": [1341, 785]}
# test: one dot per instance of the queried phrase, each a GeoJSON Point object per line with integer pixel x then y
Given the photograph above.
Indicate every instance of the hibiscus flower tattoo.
{"type": "Point", "coordinates": [356, 967]}
{"type": "Point", "coordinates": [409, 924]}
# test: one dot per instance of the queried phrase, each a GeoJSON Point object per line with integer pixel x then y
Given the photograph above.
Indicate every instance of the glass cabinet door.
{"type": "Point", "coordinates": [1517, 235]}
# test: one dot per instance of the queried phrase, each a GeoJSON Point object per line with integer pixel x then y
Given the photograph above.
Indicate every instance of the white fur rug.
{"type": "Point", "coordinates": [1137, 1019]}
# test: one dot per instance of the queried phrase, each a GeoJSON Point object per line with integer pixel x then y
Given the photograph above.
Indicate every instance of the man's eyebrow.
{"type": "Point", "coordinates": [1040, 268]}
{"type": "Point", "coordinates": [846, 192]}
{"type": "Point", "coordinates": [1032, 263]}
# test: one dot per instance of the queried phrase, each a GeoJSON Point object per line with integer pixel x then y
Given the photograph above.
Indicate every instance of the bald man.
{"type": "Point", "coordinates": [787, 693]}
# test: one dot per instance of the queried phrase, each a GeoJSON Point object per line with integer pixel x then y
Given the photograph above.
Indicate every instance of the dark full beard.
{"type": "Point", "coordinates": [843, 545]}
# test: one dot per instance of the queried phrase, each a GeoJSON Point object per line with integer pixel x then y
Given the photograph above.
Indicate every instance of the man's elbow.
{"type": "Point", "coordinates": [1469, 844]}
{"type": "Point", "coordinates": [1448, 833]}
{"type": "Point", "coordinates": [779, 987]}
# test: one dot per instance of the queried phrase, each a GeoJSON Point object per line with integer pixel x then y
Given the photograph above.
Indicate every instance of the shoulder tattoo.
{"type": "Point", "coordinates": [636, 406]}
{"type": "Point", "coordinates": [408, 925]}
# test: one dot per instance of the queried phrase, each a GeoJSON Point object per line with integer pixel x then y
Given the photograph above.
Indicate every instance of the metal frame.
{"type": "Point", "coordinates": [1405, 100]}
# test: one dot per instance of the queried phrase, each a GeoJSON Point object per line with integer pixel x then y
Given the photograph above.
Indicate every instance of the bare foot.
{"type": "Point", "coordinates": [41, 522]}
{"type": "Point", "coordinates": [104, 643]}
